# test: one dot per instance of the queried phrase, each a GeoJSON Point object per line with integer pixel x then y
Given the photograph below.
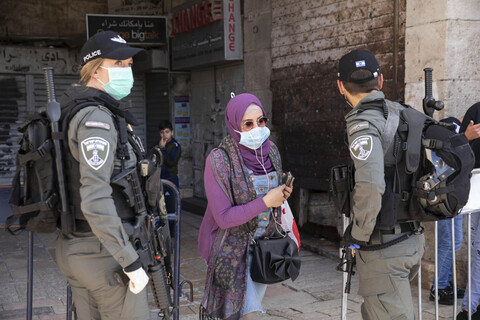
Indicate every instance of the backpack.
{"type": "Point", "coordinates": [430, 180]}
{"type": "Point", "coordinates": [436, 162]}
{"type": "Point", "coordinates": [36, 207]}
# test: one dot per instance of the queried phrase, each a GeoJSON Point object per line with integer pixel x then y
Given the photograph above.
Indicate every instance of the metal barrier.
{"type": "Point", "coordinates": [472, 206]}
{"type": "Point", "coordinates": [175, 216]}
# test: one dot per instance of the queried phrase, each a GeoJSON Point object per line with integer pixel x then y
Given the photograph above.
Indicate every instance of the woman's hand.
{"type": "Point", "coordinates": [275, 197]}
{"type": "Point", "coordinates": [288, 190]}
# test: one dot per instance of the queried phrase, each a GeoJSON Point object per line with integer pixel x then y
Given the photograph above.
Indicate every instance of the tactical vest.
{"type": "Point", "coordinates": [73, 101]}
{"type": "Point", "coordinates": [414, 189]}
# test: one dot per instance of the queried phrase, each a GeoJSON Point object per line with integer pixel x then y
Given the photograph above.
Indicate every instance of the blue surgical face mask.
{"type": "Point", "coordinates": [254, 138]}
{"type": "Point", "coordinates": [120, 82]}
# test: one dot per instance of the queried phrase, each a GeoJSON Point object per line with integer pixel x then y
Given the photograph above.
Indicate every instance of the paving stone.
{"type": "Point", "coordinates": [315, 295]}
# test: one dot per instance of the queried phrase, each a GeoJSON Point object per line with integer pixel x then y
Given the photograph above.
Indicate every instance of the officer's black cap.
{"type": "Point", "coordinates": [107, 44]}
{"type": "Point", "coordinates": [358, 60]}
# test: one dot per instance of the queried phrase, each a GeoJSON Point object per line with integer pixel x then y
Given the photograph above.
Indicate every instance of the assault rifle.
{"type": "Point", "coordinates": [348, 260]}
{"type": "Point", "coordinates": [150, 233]}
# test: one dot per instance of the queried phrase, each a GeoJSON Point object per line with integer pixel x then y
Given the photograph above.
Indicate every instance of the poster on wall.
{"type": "Point", "coordinates": [182, 117]}
{"type": "Point", "coordinates": [182, 131]}
{"type": "Point", "coordinates": [134, 29]}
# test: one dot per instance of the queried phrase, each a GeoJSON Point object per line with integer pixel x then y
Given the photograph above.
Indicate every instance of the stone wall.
{"type": "Point", "coordinates": [308, 38]}
{"type": "Point", "coordinates": [443, 35]}
{"type": "Point", "coordinates": [47, 18]}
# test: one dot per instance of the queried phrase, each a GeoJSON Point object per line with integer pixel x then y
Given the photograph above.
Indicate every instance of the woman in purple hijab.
{"type": "Point", "coordinates": [244, 192]}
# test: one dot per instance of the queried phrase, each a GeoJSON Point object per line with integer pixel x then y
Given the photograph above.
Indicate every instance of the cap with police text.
{"type": "Point", "coordinates": [358, 60]}
{"type": "Point", "coordinates": [107, 44]}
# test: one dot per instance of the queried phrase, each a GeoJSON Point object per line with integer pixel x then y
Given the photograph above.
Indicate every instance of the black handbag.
{"type": "Point", "coordinates": [274, 260]}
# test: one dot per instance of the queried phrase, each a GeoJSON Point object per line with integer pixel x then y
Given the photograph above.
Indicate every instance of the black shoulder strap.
{"type": "Point", "coordinates": [415, 121]}
{"type": "Point", "coordinates": [391, 126]}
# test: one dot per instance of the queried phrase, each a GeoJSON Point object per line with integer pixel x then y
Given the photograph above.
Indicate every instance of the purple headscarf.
{"type": "Point", "coordinates": [234, 113]}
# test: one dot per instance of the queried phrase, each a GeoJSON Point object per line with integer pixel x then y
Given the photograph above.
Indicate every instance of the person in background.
{"type": "Point", "coordinates": [471, 127]}
{"type": "Point", "coordinates": [444, 260]}
{"type": "Point", "coordinates": [171, 151]}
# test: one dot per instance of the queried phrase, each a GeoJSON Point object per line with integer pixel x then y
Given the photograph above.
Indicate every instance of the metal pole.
{"type": "Point", "coordinates": [420, 291]}
{"type": "Point", "coordinates": [69, 302]}
{"type": "Point", "coordinates": [176, 256]}
{"type": "Point", "coordinates": [346, 222]}
{"type": "Point", "coordinates": [454, 269]}
{"type": "Point", "coordinates": [436, 270]}
{"type": "Point", "coordinates": [469, 241]}
{"type": "Point", "coordinates": [30, 276]}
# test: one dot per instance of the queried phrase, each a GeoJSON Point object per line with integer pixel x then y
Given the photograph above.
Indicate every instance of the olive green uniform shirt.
{"type": "Point", "coordinates": [92, 139]}
{"type": "Point", "coordinates": [364, 129]}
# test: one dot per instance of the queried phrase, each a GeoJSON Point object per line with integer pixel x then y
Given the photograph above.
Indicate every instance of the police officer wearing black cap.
{"type": "Point", "coordinates": [385, 273]}
{"type": "Point", "coordinates": [99, 262]}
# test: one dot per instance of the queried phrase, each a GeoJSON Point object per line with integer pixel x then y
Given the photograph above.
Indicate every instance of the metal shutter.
{"type": "Point", "coordinates": [137, 105]}
{"type": "Point", "coordinates": [157, 104]}
{"type": "Point", "coordinates": [23, 94]}
{"type": "Point", "coordinates": [13, 108]}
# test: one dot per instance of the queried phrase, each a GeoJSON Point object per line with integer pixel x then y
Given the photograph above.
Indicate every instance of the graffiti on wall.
{"type": "Point", "coordinates": [32, 60]}
{"type": "Point", "coordinates": [137, 7]}
{"type": "Point", "coordinates": [8, 124]}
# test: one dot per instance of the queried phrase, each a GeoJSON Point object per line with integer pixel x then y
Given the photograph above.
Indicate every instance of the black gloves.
{"type": "Point", "coordinates": [348, 240]}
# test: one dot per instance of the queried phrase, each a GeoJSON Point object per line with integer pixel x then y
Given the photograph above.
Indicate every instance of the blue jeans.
{"type": "Point", "coordinates": [445, 260]}
{"type": "Point", "coordinates": [475, 276]}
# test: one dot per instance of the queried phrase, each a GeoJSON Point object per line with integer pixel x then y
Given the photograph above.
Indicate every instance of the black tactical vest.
{"type": "Point", "coordinates": [75, 99]}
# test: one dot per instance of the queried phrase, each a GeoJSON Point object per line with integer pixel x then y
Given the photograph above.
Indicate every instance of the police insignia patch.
{"type": "Point", "coordinates": [95, 151]}
{"type": "Point", "coordinates": [361, 147]}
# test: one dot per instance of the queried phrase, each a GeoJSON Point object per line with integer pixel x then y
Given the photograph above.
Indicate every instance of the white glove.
{"type": "Point", "coordinates": [138, 280]}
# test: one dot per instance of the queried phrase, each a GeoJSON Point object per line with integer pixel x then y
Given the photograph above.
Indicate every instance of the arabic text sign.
{"type": "Point", "coordinates": [134, 29]}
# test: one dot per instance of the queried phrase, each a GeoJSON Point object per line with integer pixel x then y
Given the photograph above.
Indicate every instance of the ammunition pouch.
{"type": "Point", "coordinates": [341, 187]}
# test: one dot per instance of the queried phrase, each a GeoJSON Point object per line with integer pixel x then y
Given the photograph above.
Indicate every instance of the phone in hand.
{"type": "Point", "coordinates": [287, 178]}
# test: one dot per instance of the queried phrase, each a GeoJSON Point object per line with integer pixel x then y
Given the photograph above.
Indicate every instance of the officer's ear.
{"type": "Point", "coordinates": [380, 81]}
{"type": "Point", "coordinates": [340, 87]}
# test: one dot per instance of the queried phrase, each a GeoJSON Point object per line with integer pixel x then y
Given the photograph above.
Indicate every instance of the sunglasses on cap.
{"type": "Point", "coordinates": [249, 124]}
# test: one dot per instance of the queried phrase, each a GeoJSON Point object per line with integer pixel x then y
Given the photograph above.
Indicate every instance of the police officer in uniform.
{"type": "Point", "coordinates": [99, 262]}
{"type": "Point", "coordinates": [385, 273]}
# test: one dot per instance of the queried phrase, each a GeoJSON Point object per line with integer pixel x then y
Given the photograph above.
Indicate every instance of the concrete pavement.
{"type": "Point", "coordinates": [316, 294]}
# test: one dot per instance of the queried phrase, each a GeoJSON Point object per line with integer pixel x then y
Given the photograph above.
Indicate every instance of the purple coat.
{"type": "Point", "coordinates": [220, 213]}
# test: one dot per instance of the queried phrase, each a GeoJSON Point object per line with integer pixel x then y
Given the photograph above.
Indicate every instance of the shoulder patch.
{"type": "Point", "coordinates": [95, 151]}
{"type": "Point", "coordinates": [97, 124]}
{"type": "Point", "coordinates": [361, 147]}
{"type": "Point", "coordinates": [358, 126]}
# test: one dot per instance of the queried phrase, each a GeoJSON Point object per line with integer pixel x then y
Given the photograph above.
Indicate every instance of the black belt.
{"type": "Point", "coordinates": [404, 227]}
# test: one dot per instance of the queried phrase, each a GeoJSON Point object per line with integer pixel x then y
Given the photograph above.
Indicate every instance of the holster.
{"type": "Point", "coordinates": [341, 187]}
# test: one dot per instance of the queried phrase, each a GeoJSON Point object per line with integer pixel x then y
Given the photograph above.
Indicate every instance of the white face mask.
{"type": "Point", "coordinates": [254, 138]}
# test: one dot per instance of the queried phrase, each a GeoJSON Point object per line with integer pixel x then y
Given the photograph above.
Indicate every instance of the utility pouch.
{"type": "Point", "coordinates": [387, 217]}
{"type": "Point", "coordinates": [341, 185]}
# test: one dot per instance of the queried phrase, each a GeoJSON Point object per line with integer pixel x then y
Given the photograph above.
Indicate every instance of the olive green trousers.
{"type": "Point", "coordinates": [99, 286]}
{"type": "Point", "coordinates": [385, 277]}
